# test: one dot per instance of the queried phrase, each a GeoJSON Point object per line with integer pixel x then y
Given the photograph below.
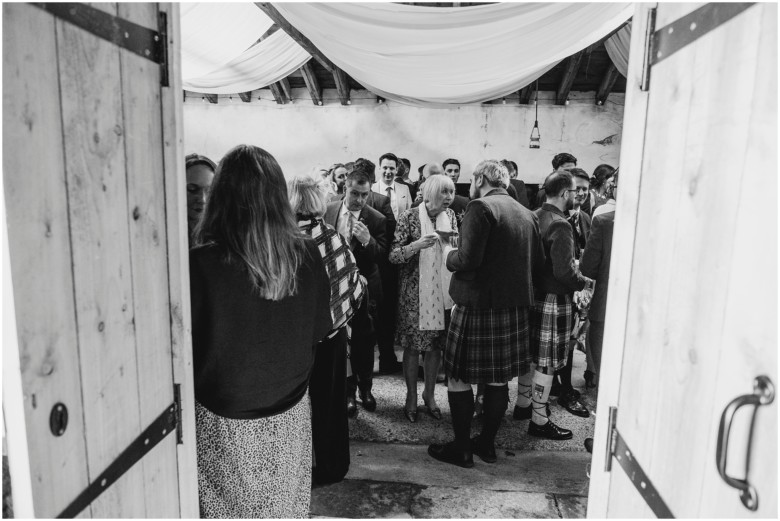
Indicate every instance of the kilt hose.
{"type": "Point", "coordinates": [487, 345]}
{"type": "Point", "coordinates": [552, 319]}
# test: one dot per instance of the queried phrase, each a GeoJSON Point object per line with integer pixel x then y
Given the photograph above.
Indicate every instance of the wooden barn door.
{"type": "Point", "coordinates": [94, 203]}
{"type": "Point", "coordinates": [692, 313]}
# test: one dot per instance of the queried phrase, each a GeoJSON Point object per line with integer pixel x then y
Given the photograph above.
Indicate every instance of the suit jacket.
{"type": "Point", "coordinates": [560, 276]}
{"type": "Point", "coordinates": [581, 232]}
{"type": "Point", "coordinates": [380, 203]}
{"type": "Point", "coordinates": [411, 186]}
{"type": "Point", "coordinates": [522, 195]}
{"type": "Point", "coordinates": [595, 262]}
{"type": "Point", "coordinates": [500, 248]}
{"type": "Point", "coordinates": [403, 197]}
{"type": "Point", "coordinates": [367, 258]}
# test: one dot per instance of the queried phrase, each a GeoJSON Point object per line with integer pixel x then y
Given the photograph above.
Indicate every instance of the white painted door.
{"type": "Point", "coordinates": [96, 234]}
{"type": "Point", "coordinates": [692, 313]}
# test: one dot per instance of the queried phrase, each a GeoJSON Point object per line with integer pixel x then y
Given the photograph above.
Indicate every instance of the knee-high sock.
{"type": "Point", "coordinates": [540, 393]}
{"type": "Point", "coordinates": [565, 372]}
{"type": "Point", "coordinates": [524, 389]}
{"type": "Point", "coordinates": [462, 408]}
{"type": "Point", "coordinates": [496, 400]}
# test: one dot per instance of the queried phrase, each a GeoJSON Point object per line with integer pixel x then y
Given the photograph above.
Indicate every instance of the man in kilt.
{"type": "Point", "coordinates": [552, 316]}
{"type": "Point", "coordinates": [492, 287]}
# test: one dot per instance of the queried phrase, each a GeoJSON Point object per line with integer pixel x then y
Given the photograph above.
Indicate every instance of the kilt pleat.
{"type": "Point", "coordinates": [552, 320]}
{"type": "Point", "coordinates": [487, 345]}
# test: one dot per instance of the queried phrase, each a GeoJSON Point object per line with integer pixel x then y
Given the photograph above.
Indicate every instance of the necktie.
{"type": "Point", "coordinates": [389, 192]}
{"type": "Point", "coordinates": [351, 225]}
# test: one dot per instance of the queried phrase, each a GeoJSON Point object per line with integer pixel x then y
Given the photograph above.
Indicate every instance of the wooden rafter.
{"type": "Point", "coordinates": [284, 83]}
{"type": "Point", "coordinates": [295, 34]}
{"type": "Point", "coordinates": [567, 80]}
{"type": "Point", "coordinates": [342, 85]}
{"type": "Point", "coordinates": [279, 96]}
{"type": "Point", "coordinates": [607, 82]}
{"type": "Point", "coordinates": [246, 97]}
{"type": "Point", "coordinates": [271, 30]}
{"type": "Point", "coordinates": [525, 94]}
{"type": "Point", "coordinates": [311, 83]}
{"type": "Point", "coordinates": [212, 98]}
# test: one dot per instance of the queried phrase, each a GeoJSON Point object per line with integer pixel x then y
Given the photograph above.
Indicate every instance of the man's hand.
{"type": "Point", "coordinates": [360, 232]}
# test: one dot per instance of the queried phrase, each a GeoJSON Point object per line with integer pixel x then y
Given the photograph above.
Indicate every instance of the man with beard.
{"type": "Point", "coordinates": [365, 230]}
{"type": "Point", "coordinates": [552, 315]}
{"type": "Point", "coordinates": [492, 286]}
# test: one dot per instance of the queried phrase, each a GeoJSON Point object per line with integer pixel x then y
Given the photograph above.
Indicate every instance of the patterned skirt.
{"type": "Point", "coordinates": [552, 320]}
{"type": "Point", "coordinates": [254, 468]}
{"type": "Point", "coordinates": [487, 345]}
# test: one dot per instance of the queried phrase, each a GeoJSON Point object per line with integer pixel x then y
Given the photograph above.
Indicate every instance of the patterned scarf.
{"type": "Point", "coordinates": [434, 275]}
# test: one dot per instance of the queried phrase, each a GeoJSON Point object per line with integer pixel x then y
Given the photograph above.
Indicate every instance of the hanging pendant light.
{"type": "Point", "coordinates": [535, 139]}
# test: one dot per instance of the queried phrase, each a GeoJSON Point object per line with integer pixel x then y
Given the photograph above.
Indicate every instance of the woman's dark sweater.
{"type": "Point", "coordinates": [253, 356]}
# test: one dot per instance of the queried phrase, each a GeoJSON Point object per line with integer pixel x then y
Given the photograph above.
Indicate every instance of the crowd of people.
{"type": "Point", "coordinates": [295, 282]}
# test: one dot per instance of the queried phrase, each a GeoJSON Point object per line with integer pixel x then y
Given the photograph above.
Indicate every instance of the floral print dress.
{"type": "Point", "coordinates": [408, 333]}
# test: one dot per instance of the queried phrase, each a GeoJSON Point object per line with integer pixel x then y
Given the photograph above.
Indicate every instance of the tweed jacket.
{"type": "Point", "coordinates": [560, 275]}
{"type": "Point", "coordinates": [595, 262]}
{"type": "Point", "coordinates": [500, 248]}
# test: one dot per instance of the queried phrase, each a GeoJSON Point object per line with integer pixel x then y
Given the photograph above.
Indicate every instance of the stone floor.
{"type": "Point", "coordinates": [391, 474]}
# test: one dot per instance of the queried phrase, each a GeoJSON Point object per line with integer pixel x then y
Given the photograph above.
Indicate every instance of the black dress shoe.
{"type": "Point", "coordinates": [549, 430]}
{"type": "Point", "coordinates": [486, 454]}
{"type": "Point", "coordinates": [352, 409]}
{"type": "Point", "coordinates": [391, 367]}
{"type": "Point", "coordinates": [572, 404]}
{"type": "Point", "coordinates": [449, 454]}
{"type": "Point", "coordinates": [589, 445]}
{"type": "Point", "coordinates": [525, 413]}
{"type": "Point", "coordinates": [369, 403]}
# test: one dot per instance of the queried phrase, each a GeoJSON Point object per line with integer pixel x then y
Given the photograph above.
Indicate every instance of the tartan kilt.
{"type": "Point", "coordinates": [487, 345]}
{"type": "Point", "coordinates": [552, 320]}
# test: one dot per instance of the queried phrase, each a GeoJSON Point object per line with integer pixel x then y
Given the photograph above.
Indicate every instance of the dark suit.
{"type": "Point", "coordinates": [581, 231]}
{"type": "Point", "coordinates": [367, 259]}
{"type": "Point", "coordinates": [500, 245]}
{"type": "Point", "coordinates": [595, 264]}
{"type": "Point", "coordinates": [522, 194]}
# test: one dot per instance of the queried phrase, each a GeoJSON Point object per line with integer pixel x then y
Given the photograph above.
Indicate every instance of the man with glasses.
{"type": "Point", "coordinates": [552, 315]}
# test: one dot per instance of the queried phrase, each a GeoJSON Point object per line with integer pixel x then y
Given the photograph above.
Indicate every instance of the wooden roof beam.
{"type": "Point", "coordinates": [315, 91]}
{"type": "Point", "coordinates": [525, 94]}
{"type": "Point", "coordinates": [607, 82]}
{"type": "Point", "coordinates": [279, 96]}
{"type": "Point", "coordinates": [212, 98]}
{"type": "Point", "coordinates": [284, 83]}
{"type": "Point", "coordinates": [295, 34]}
{"type": "Point", "coordinates": [342, 85]}
{"type": "Point", "coordinates": [246, 97]}
{"type": "Point", "coordinates": [567, 80]}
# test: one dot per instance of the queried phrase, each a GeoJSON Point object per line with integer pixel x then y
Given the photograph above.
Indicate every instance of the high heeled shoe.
{"type": "Point", "coordinates": [435, 412]}
{"type": "Point", "coordinates": [410, 415]}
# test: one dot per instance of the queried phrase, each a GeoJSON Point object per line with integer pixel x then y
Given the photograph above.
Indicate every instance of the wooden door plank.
{"type": "Point", "coordinates": [97, 195]}
{"type": "Point", "coordinates": [631, 152]}
{"type": "Point", "coordinates": [149, 256]}
{"type": "Point", "coordinates": [40, 252]}
{"type": "Point", "coordinates": [178, 265]}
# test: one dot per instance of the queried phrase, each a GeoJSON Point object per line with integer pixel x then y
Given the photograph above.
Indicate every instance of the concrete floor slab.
{"type": "Point", "coordinates": [464, 503]}
{"type": "Point", "coordinates": [359, 499]}
{"type": "Point", "coordinates": [572, 507]}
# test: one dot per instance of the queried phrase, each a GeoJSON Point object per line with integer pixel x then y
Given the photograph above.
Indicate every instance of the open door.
{"type": "Point", "coordinates": [96, 235]}
{"type": "Point", "coordinates": [692, 310]}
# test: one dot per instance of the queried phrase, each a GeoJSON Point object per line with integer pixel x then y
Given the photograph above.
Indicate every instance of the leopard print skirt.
{"type": "Point", "coordinates": [254, 468]}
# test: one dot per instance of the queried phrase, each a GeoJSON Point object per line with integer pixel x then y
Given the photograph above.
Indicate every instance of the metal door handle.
{"type": "Point", "coordinates": [763, 394]}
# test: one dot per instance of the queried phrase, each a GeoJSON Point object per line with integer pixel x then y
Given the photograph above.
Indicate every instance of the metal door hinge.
{"type": "Point", "coordinates": [177, 405]}
{"type": "Point", "coordinates": [618, 449]}
{"type": "Point", "coordinates": [135, 38]}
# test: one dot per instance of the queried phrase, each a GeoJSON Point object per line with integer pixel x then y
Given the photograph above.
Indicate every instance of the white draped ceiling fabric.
{"type": "Point", "coordinates": [436, 56]}
{"type": "Point", "coordinates": [617, 48]}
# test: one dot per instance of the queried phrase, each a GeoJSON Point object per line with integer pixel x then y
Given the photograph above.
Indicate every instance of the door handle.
{"type": "Point", "coordinates": [763, 394]}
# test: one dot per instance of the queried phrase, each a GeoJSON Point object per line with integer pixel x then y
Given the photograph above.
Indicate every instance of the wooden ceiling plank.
{"type": "Point", "coordinates": [607, 82]}
{"type": "Point", "coordinates": [567, 80]}
{"type": "Point", "coordinates": [311, 83]}
{"type": "Point", "coordinates": [342, 85]}
{"type": "Point", "coordinates": [276, 90]}
{"type": "Point", "coordinates": [295, 34]}
{"type": "Point", "coordinates": [246, 97]}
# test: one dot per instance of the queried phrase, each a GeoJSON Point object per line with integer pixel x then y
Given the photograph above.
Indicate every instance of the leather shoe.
{"type": "Point", "coordinates": [352, 409]}
{"type": "Point", "coordinates": [549, 430]}
{"type": "Point", "coordinates": [410, 415]}
{"type": "Point", "coordinates": [391, 367]}
{"type": "Point", "coordinates": [525, 413]}
{"type": "Point", "coordinates": [486, 454]}
{"type": "Point", "coordinates": [449, 454]}
{"type": "Point", "coordinates": [369, 403]}
{"type": "Point", "coordinates": [572, 404]}
{"type": "Point", "coordinates": [589, 445]}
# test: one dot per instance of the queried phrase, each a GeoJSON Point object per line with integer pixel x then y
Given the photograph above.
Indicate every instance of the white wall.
{"type": "Point", "coordinates": [303, 136]}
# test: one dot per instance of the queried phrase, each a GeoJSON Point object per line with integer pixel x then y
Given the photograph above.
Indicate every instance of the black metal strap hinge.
{"type": "Point", "coordinates": [618, 448]}
{"type": "Point", "coordinates": [135, 38]}
{"type": "Point", "coordinates": [162, 426]}
{"type": "Point", "coordinates": [663, 43]}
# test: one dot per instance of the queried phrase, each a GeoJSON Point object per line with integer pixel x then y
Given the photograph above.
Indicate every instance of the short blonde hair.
{"type": "Point", "coordinates": [307, 196]}
{"type": "Point", "coordinates": [433, 186]}
{"type": "Point", "coordinates": [494, 172]}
